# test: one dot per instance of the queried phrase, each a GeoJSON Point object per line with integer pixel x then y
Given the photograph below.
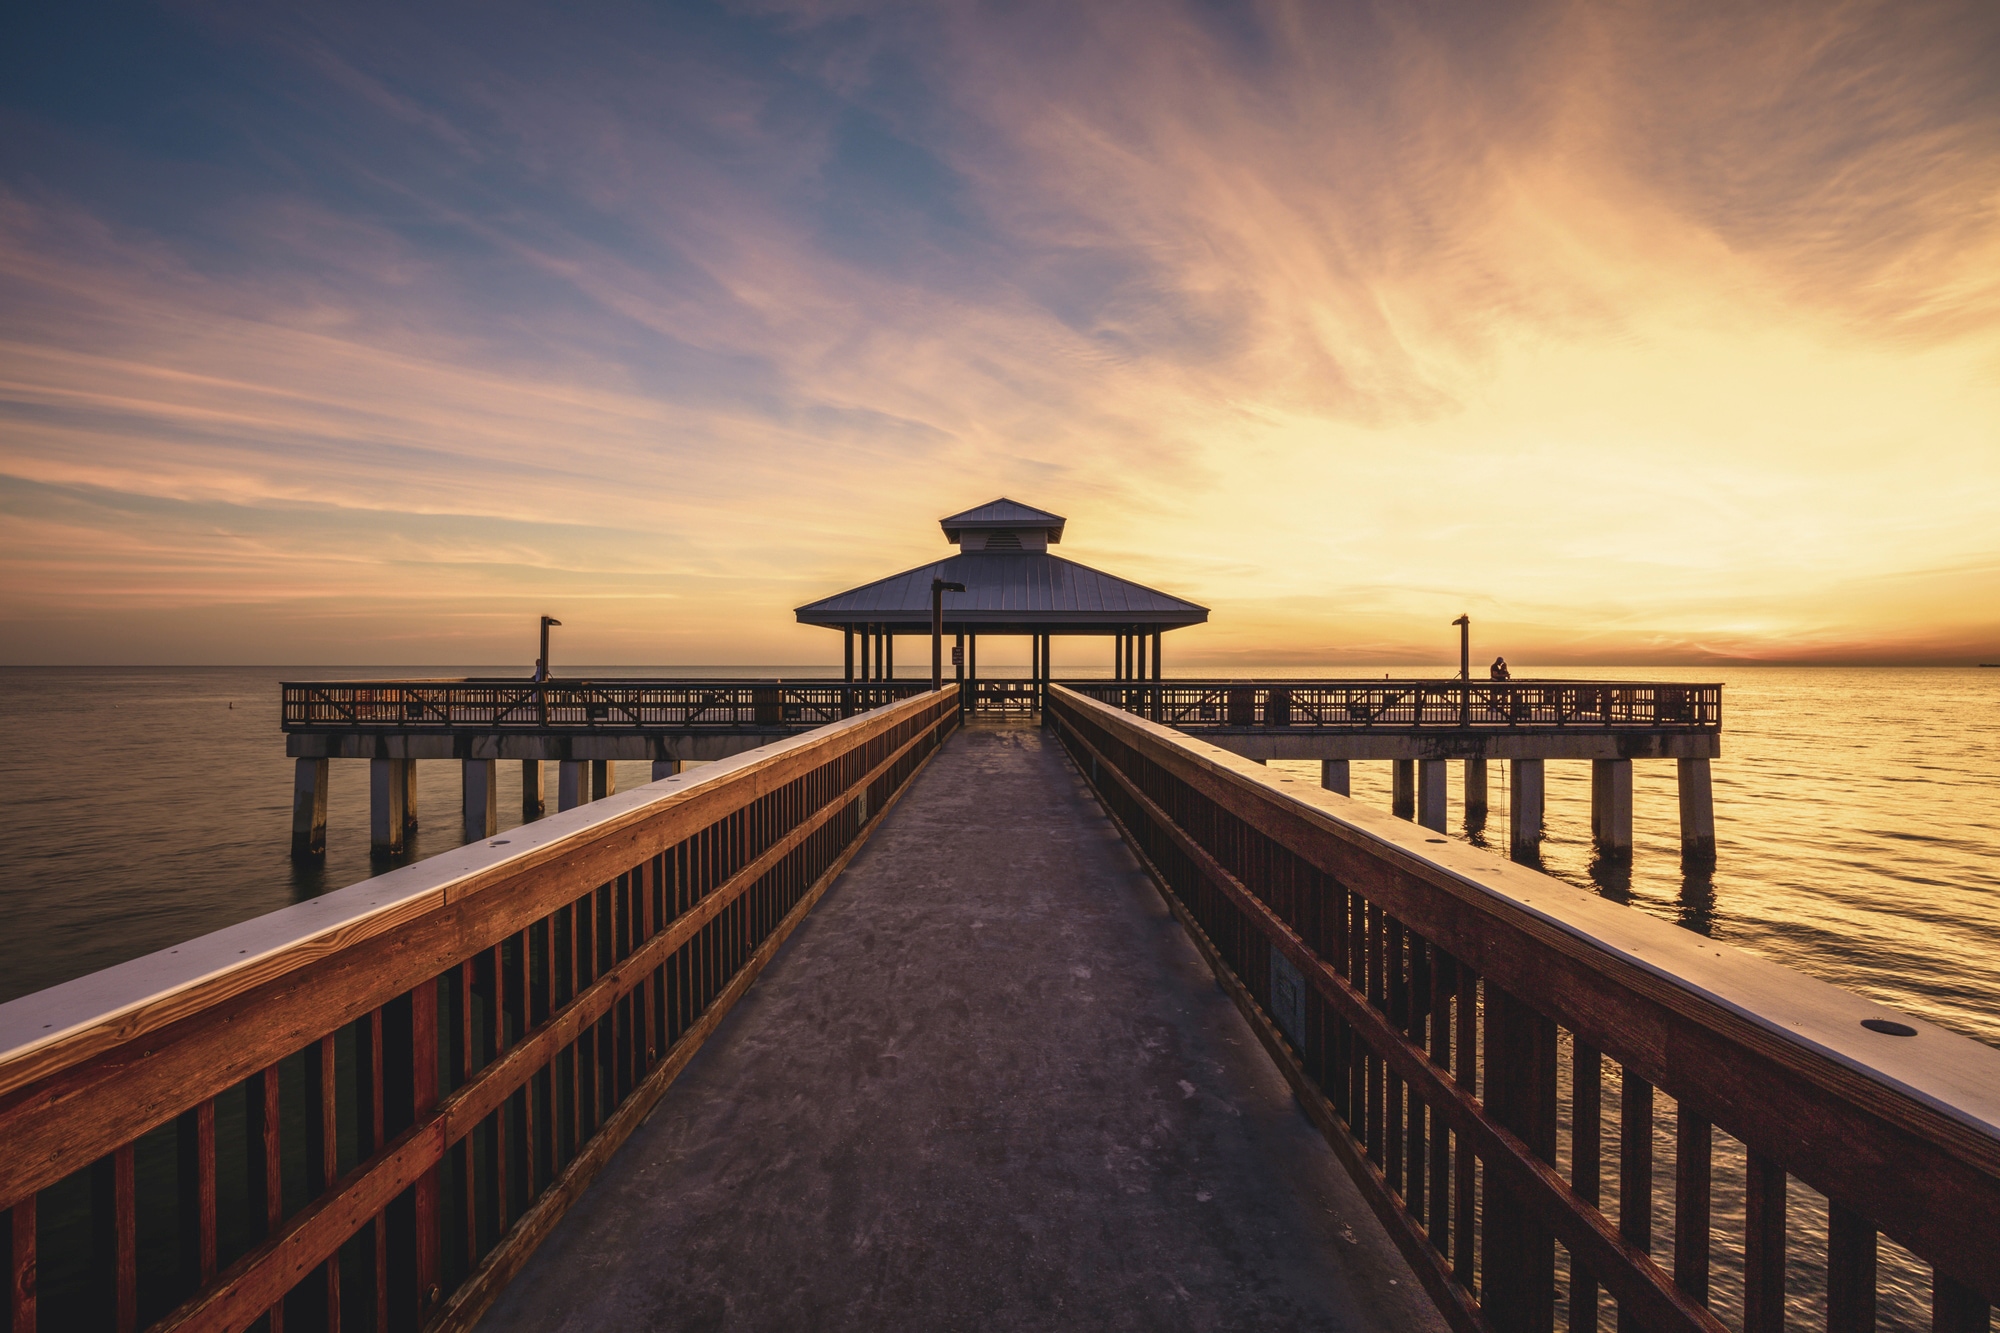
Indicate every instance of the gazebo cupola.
{"type": "Point", "coordinates": [1014, 586]}
{"type": "Point", "coordinates": [1003, 525]}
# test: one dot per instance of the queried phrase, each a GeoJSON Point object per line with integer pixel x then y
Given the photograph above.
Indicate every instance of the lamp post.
{"type": "Point", "coordinates": [939, 588]}
{"type": "Point", "coordinates": [542, 662]}
{"type": "Point", "coordinates": [1464, 623]}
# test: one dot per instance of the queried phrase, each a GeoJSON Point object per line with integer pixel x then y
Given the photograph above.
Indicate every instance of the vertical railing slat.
{"type": "Point", "coordinates": [21, 1285]}
{"type": "Point", "coordinates": [1850, 1270]}
{"type": "Point", "coordinates": [1763, 1245]}
{"type": "Point", "coordinates": [1465, 1182]}
{"type": "Point", "coordinates": [1957, 1308]}
{"type": "Point", "coordinates": [1635, 1171]}
{"type": "Point", "coordinates": [125, 1227]}
{"type": "Point", "coordinates": [1693, 1148]}
{"type": "Point", "coordinates": [1586, 1155]}
{"type": "Point", "coordinates": [1443, 971]}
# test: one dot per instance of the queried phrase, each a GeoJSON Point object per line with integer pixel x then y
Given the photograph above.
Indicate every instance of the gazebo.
{"type": "Point", "coordinates": [1013, 586]}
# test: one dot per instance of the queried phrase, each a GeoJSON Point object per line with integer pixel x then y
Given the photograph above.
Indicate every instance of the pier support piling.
{"type": "Point", "coordinates": [1475, 794]}
{"type": "Point", "coordinates": [387, 818]}
{"type": "Point", "coordinates": [603, 779]}
{"type": "Point", "coordinates": [1611, 808]}
{"type": "Point", "coordinates": [1431, 793]}
{"type": "Point", "coordinates": [1524, 811]}
{"type": "Point", "coordinates": [534, 800]}
{"type": "Point", "coordinates": [1403, 789]}
{"type": "Point", "coordinates": [1697, 813]}
{"type": "Point", "coordinates": [666, 768]}
{"type": "Point", "coordinates": [1333, 776]}
{"type": "Point", "coordinates": [572, 784]}
{"type": "Point", "coordinates": [309, 808]}
{"type": "Point", "coordinates": [409, 795]}
{"type": "Point", "coordinates": [482, 798]}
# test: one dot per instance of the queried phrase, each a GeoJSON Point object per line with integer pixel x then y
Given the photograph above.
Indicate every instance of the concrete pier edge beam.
{"type": "Point", "coordinates": [1334, 776]}
{"type": "Point", "coordinates": [309, 777]}
{"type": "Point", "coordinates": [534, 797]}
{"type": "Point", "coordinates": [482, 798]}
{"type": "Point", "coordinates": [386, 810]}
{"type": "Point", "coordinates": [603, 779]}
{"type": "Point", "coordinates": [572, 784]}
{"type": "Point", "coordinates": [666, 768]}
{"type": "Point", "coordinates": [1403, 789]}
{"type": "Point", "coordinates": [1611, 808]}
{"type": "Point", "coordinates": [1524, 810]}
{"type": "Point", "coordinates": [1475, 793]}
{"type": "Point", "coordinates": [1697, 800]}
{"type": "Point", "coordinates": [1431, 793]}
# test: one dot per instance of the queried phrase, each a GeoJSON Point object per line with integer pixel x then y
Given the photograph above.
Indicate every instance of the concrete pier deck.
{"type": "Point", "coordinates": [989, 1083]}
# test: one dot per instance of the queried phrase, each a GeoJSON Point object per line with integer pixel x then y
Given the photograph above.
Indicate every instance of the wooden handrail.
{"type": "Point", "coordinates": [1382, 705]}
{"type": "Point", "coordinates": [1406, 944]}
{"type": "Point", "coordinates": [503, 1012]}
{"type": "Point", "coordinates": [592, 705]}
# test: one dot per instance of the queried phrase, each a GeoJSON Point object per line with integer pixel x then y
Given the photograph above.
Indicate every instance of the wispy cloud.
{"type": "Point", "coordinates": [1642, 329]}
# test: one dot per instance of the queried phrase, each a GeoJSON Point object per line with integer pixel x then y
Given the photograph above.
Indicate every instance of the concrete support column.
{"type": "Point", "coordinates": [1611, 808]}
{"type": "Point", "coordinates": [1697, 813]}
{"type": "Point", "coordinates": [387, 819]}
{"type": "Point", "coordinates": [1475, 793]}
{"type": "Point", "coordinates": [1430, 793]}
{"type": "Point", "coordinates": [534, 799]}
{"type": "Point", "coordinates": [1333, 775]}
{"type": "Point", "coordinates": [482, 798]}
{"type": "Point", "coordinates": [572, 784]}
{"type": "Point", "coordinates": [666, 768]}
{"type": "Point", "coordinates": [603, 779]}
{"type": "Point", "coordinates": [1524, 811]}
{"type": "Point", "coordinates": [409, 795]}
{"type": "Point", "coordinates": [309, 807]}
{"type": "Point", "coordinates": [1403, 789]}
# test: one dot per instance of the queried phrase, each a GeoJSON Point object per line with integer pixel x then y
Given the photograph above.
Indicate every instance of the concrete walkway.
{"type": "Point", "coordinates": [988, 1084]}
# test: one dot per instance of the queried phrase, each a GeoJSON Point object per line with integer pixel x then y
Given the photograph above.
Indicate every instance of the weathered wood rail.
{"type": "Point", "coordinates": [1422, 996]}
{"type": "Point", "coordinates": [364, 1111]}
{"type": "Point", "coordinates": [1351, 705]}
{"type": "Point", "coordinates": [588, 706]}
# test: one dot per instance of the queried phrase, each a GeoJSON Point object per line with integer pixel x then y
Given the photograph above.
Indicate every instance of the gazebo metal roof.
{"type": "Point", "coordinates": [1006, 591]}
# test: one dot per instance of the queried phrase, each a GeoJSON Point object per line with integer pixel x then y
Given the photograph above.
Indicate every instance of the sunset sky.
{"type": "Point", "coordinates": [1642, 332]}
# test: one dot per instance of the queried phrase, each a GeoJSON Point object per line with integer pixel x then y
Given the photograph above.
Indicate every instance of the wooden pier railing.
{"type": "Point", "coordinates": [1468, 1034]}
{"type": "Point", "coordinates": [366, 1110]}
{"type": "Point", "coordinates": [1350, 705]}
{"type": "Point", "coordinates": [602, 705]}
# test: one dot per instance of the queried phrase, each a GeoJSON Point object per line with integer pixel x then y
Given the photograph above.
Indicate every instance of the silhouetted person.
{"type": "Point", "coordinates": [1499, 669]}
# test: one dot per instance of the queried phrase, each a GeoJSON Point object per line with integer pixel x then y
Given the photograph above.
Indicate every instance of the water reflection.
{"type": "Point", "coordinates": [1697, 901]}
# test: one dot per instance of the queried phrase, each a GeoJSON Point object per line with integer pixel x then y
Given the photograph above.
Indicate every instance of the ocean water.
{"type": "Point", "coordinates": [1857, 819]}
{"type": "Point", "coordinates": [1857, 815]}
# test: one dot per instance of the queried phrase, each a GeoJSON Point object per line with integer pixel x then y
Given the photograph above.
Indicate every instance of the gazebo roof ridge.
{"type": "Point", "coordinates": [1003, 515]}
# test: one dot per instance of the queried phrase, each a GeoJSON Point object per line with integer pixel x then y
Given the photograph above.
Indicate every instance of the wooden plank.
{"type": "Point", "coordinates": [1763, 1246]}
{"type": "Point", "coordinates": [157, 1073]}
{"type": "Point", "coordinates": [1604, 973]}
{"type": "Point", "coordinates": [477, 1294]}
{"type": "Point", "coordinates": [310, 1238]}
{"type": "Point", "coordinates": [1850, 1271]}
{"type": "Point", "coordinates": [21, 1269]}
{"type": "Point", "coordinates": [618, 840]}
{"type": "Point", "coordinates": [1692, 1151]}
{"type": "Point", "coordinates": [1629, 1274]}
{"type": "Point", "coordinates": [1635, 1175]}
{"type": "Point", "coordinates": [1586, 1157]}
{"type": "Point", "coordinates": [125, 1228]}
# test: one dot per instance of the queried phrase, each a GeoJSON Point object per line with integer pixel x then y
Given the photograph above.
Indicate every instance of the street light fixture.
{"type": "Point", "coordinates": [939, 587]}
{"type": "Point", "coordinates": [1464, 623]}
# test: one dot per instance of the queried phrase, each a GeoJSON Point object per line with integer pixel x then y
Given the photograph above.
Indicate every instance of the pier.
{"type": "Point", "coordinates": [468, 1088]}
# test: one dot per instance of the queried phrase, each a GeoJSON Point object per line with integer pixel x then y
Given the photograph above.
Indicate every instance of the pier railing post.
{"type": "Point", "coordinates": [1697, 795]}
{"type": "Point", "coordinates": [309, 808]}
